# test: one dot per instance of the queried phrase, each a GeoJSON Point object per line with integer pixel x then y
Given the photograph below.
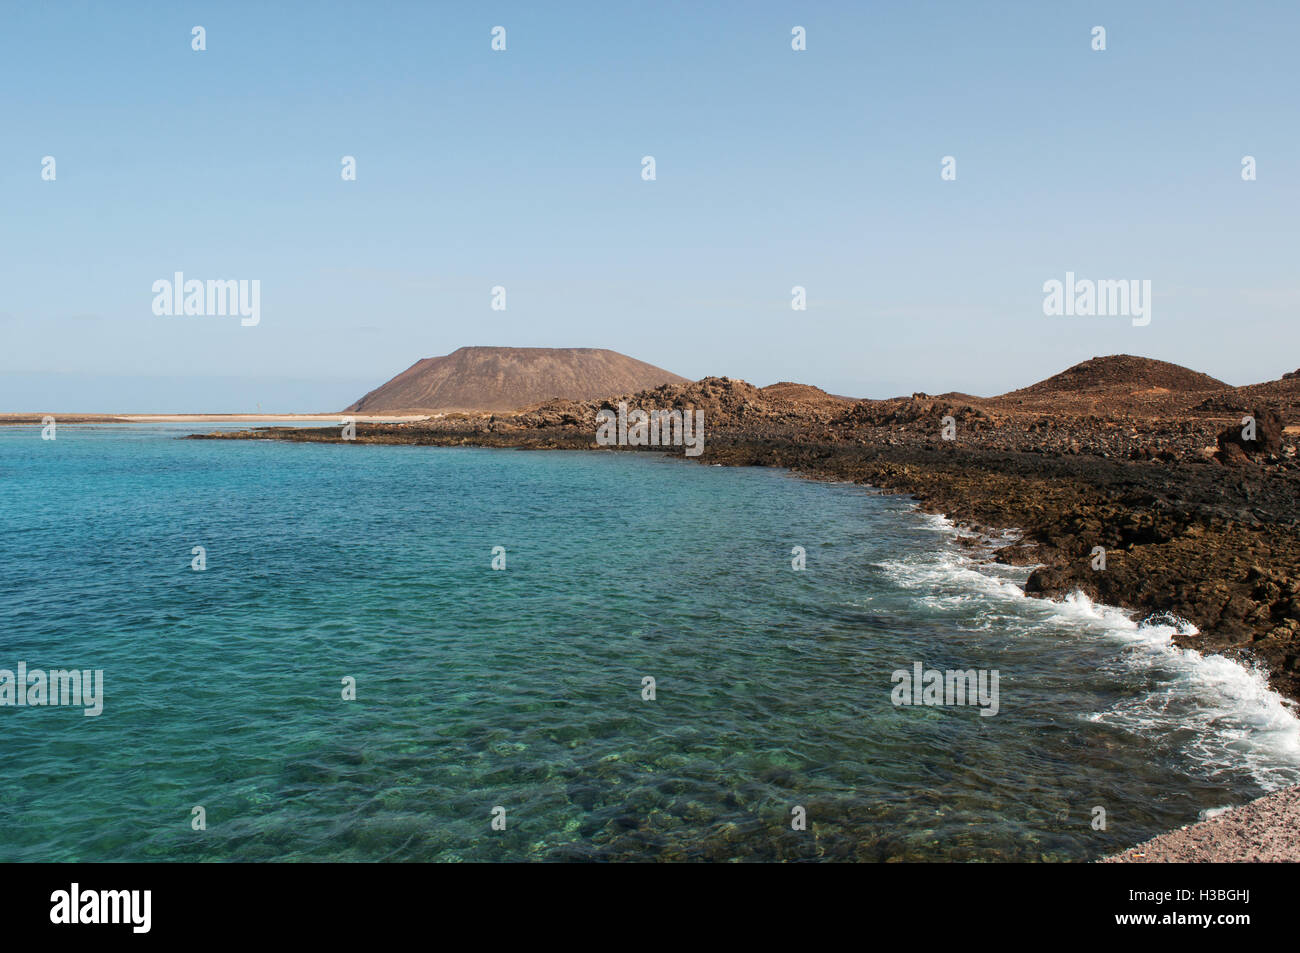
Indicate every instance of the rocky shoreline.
{"type": "Point", "coordinates": [1187, 520]}
{"type": "Point", "coordinates": [1193, 520]}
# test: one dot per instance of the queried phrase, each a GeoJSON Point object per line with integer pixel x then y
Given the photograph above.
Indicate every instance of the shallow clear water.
{"type": "Point", "coordinates": [522, 688]}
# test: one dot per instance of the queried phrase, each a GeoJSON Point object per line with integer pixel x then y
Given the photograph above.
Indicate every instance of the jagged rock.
{"type": "Point", "coordinates": [1234, 448]}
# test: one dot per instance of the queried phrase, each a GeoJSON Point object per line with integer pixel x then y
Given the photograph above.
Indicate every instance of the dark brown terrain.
{"type": "Point", "coordinates": [1143, 458]}
{"type": "Point", "coordinates": [499, 379]}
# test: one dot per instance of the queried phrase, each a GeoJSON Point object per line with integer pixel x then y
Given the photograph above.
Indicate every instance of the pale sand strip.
{"type": "Point", "coordinates": [212, 418]}
{"type": "Point", "coordinates": [270, 418]}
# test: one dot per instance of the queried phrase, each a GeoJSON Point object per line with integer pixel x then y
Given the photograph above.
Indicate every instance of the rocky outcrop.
{"type": "Point", "coordinates": [1234, 446]}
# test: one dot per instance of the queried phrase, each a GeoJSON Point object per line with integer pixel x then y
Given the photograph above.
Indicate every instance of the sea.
{"type": "Point", "coordinates": [342, 652]}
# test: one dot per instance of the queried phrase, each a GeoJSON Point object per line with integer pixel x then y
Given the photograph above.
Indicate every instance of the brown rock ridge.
{"type": "Point", "coordinates": [502, 379]}
{"type": "Point", "coordinates": [725, 401]}
{"type": "Point", "coordinates": [1116, 382]}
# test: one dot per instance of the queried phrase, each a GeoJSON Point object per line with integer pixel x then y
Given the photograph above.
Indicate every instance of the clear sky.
{"type": "Point", "coordinates": [522, 168]}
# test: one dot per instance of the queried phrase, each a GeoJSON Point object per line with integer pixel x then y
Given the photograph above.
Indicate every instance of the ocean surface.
{"type": "Point", "coordinates": [522, 689]}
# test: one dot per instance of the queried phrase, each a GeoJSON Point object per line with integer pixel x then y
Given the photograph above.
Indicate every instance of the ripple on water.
{"type": "Point", "coordinates": [523, 689]}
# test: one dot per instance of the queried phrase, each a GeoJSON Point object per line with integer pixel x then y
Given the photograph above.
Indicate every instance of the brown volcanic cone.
{"type": "Point", "coordinates": [1120, 382]}
{"type": "Point", "coordinates": [500, 379]}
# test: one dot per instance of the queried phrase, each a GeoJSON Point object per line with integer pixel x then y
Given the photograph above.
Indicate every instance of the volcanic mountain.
{"type": "Point", "coordinates": [500, 379]}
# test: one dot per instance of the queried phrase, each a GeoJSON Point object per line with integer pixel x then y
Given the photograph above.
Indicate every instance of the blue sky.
{"type": "Point", "coordinates": [522, 168]}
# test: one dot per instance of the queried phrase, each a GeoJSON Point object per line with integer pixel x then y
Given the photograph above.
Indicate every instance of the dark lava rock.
{"type": "Point", "coordinates": [1234, 448]}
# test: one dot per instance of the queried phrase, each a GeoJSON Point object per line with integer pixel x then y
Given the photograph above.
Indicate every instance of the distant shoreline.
{"type": "Point", "coordinates": [37, 419]}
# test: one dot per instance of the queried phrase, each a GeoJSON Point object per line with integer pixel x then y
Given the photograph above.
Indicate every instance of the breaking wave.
{"type": "Point", "coordinates": [1216, 713]}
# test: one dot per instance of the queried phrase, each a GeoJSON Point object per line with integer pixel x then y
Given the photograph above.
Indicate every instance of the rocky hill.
{"type": "Point", "coordinates": [1114, 383]}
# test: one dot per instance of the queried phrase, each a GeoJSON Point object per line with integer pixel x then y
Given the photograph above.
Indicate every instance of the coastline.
{"type": "Point", "coordinates": [1179, 543]}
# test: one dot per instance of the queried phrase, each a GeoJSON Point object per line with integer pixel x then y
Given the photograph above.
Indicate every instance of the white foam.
{"type": "Point", "coordinates": [937, 522]}
{"type": "Point", "coordinates": [957, 573]}
{"type": "Point", "coordinates": [1219, 712]}
{"type": "Point", "coordinates": [1235, 720]}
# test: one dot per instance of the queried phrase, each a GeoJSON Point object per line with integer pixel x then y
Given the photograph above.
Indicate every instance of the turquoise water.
{"type": "Point", "coordinates": [522, 688]}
